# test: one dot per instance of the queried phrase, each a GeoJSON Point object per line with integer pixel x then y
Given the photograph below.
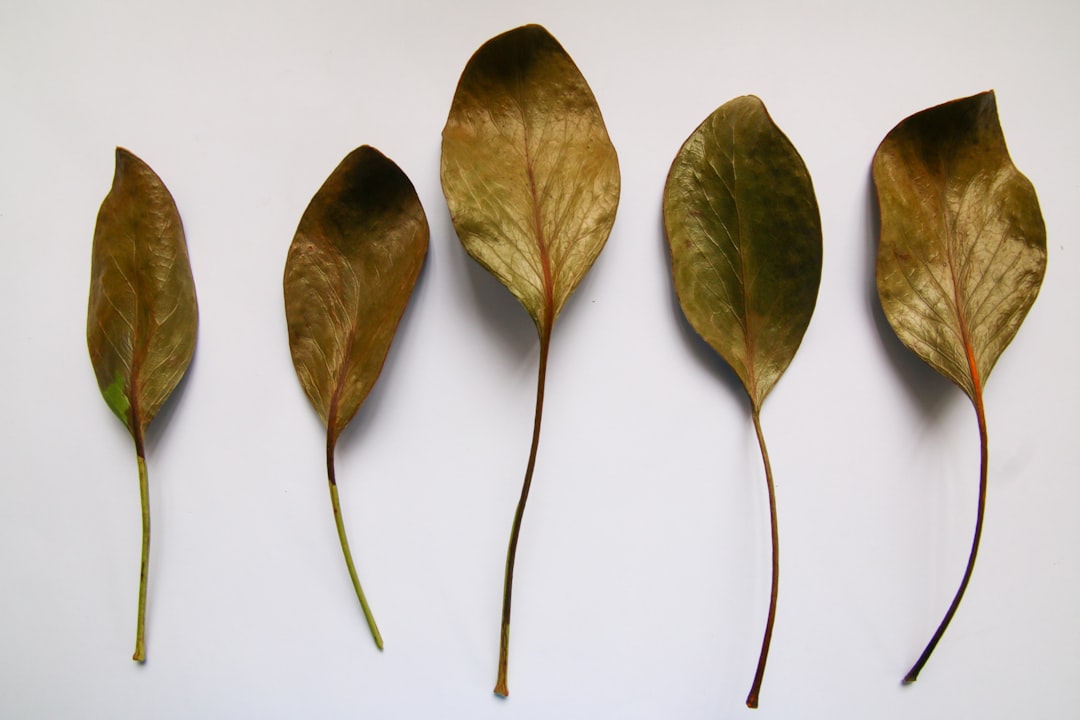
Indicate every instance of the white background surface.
{"type": "Point", "coordinates": [643, 568]}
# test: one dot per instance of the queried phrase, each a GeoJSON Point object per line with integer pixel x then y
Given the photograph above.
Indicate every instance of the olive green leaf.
{"type": "Point", "coordinates": [532, 182]}
{"type": "Point", "coordinates": [745, 236]}
{"type": "Point", "coordinates": [961, 256]}
{"type": "Point", "coordinates": [350, 271]}
{"type": "Point", "coordinates": [142, 318]}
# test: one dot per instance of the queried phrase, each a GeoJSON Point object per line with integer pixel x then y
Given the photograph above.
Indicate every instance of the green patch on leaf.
{"type": "Point", "coordinates": [116, 398]}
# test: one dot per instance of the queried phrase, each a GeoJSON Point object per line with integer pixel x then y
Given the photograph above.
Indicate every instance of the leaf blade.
{"type": "Point", "coordinates": [745, 239]}
{"type": "Point", "coordinates": [142, 318]}
{"type": "Point", "coordinates": [962, 251]}
{"type": "Point", "coordinates": [350, 271]}
{"type": "Point", "coordinates": [529, 172]}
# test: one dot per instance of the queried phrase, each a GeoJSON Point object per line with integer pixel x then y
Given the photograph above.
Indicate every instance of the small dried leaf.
{"type": "Point", "coordinates": [742, 223]}
{"type": "Point", "coordinates": [143, 317]}
{"type": "Point", "coordinates": [350, 271]}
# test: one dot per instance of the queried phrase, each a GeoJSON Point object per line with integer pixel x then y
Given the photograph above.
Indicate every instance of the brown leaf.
{"type": "Point", "coordinates": [350, 271]}
{"type": "Point", "coordinates": [745, 238]}
{"type": "Point", "coordinates": [532, 182]}
{"type": "Point", "coordinates": [961, 257]}
{"type": "Point", "coordinates": [963, 245]}
{"type": "Point", "coordinates": [142, 318]}
{"type": "Point", "coordinates": [528, 170]}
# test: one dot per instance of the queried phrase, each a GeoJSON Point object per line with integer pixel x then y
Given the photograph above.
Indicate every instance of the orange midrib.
{"type": "Point", "coordinates": [335, 396]}
{"type": "Point", "coordinates": [541, 242]}
{"type": "Point", "coordinates": [958, 307]}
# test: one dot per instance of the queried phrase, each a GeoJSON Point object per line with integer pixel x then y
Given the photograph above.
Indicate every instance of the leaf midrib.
{"type": "Point", "coordinates": [541, 241]}
{"type": "Point", "coordinates": [748, 335]}
{"type": "Point", "coordinates": [339, 384]}
{"type": "Point", "coordinates": [949, 221]}
{"type": "Point", "coordinates": [140, 343]}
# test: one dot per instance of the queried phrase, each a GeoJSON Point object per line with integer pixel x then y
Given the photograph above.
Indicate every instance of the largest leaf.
{"type": "Point", "coordinates": [350, 271]}
{"type": "Point", "coordinates": [742, 223]}
{"type": "Point", "coordinates": [142, 318]}
{"type": "Point", "coordinates": [532, 182]}
{"type": "Point", "coordinates": [961, 256]}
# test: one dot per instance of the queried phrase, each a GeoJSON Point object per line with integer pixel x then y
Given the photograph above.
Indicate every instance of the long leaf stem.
{"type": "Point", "coordinates": [345, 542]}
{"type": "Point", "coordinates": [144, 564]}
{"type": "Point", "coordinates": [980, 413]}
{"type": "Point", "coordinates": [501, 688]}
{"type": "Point", "coordinates": [755, 689]}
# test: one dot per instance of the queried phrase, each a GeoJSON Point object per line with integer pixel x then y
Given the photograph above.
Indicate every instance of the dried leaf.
{"type": "Point", "coordinates": [961, 256]}
{"type": "Point", "coordinates": [745, 237]}
{"type": "Point", "coordinates": [532, 182]}
{"type": "Point", "coordinates": [528, 170]}
{"type": "Point", "coordinates": [143, 317]}
{"type": "Point", "coordinates": [350, 271]}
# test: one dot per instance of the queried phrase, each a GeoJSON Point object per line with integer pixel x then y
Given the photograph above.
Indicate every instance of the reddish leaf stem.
{"type": "Point", "coordinates": [755, 689]}
{"type": "Point", "coordinates": [144, 564]}
{"type": "Point", "coordinates": [330, 442]}
{"type": "Point", "coordinates": [501, 688]}
{"type": "Point", "coordinates": [980, 413]}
